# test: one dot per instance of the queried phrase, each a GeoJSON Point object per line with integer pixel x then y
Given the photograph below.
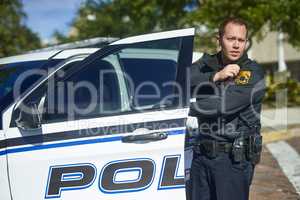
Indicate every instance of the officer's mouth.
{"type": "Point", "coordinates": [234, 53]}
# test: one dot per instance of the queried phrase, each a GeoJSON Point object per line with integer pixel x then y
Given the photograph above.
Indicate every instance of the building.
{"type": "Point", "coordinates": [265, 52]}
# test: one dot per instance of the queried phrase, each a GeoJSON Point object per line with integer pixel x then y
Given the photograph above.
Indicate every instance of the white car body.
{"type": "Point", "coordinates": [132, 154]}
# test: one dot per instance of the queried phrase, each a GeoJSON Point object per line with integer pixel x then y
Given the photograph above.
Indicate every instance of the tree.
{"type": "Point", "coordinates": [277, 15]}
{"type": "Point", "coordinates": [120, 18]}
{"type": "Point", "coordinates": [15, 37]}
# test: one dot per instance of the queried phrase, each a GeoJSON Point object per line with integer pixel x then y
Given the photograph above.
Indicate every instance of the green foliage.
{"type": "Point", "coordinates": [15, 37]}
{"type": "Point", "coordinates": [275, 14]}
{"type": "Point", "coordinates": [120, 18]}
{"type": "Point", "coordinates": [292, 88]}
{"type": "Point", "coordinates": [285, 15]}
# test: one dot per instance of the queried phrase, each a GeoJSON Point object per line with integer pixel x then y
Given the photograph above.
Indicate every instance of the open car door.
{"type": "Point", "coordinates": [110, 127]}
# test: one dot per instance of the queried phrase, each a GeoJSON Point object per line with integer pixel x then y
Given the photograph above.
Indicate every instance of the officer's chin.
{"type": "Point", "coordinates": [233, 58]}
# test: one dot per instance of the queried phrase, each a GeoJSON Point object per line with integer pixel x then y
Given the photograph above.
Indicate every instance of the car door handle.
{"type": "Point", "coordinates": [145, 137]}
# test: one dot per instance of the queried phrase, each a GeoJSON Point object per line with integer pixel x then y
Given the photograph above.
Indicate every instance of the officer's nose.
{"type": "Point", "coordinates": [236, 44]}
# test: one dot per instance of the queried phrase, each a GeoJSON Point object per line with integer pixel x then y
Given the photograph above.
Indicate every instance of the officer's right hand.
{"type": "Point", "coordinates": [229, 71]}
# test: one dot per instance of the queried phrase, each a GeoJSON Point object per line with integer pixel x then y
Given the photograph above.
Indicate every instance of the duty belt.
{"type": "Point", "coordinates": [212, 147]}
{"type": "Point", "coordinates": [243, 148]}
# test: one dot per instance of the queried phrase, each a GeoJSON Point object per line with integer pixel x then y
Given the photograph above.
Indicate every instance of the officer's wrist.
{"type": "Point", "coordinates": [216, 77]}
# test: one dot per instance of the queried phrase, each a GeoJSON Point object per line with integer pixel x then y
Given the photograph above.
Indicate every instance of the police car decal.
{"type": "Point", "coordinates": [57, 181]}
{"type": "Point", "coordinates": [108, 184]}
{"type": "Point", "coordinates": [170, 179]}
{"type": "Point", "coordinates": [62, 178]}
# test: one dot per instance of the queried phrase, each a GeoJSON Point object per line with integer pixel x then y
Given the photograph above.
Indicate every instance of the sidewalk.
{"type": "Point", "coordinates": [269, 182]}
{"type": "Point", "coordinates": [280, 124]}
{"type": "Point", "coordinates": [280, 118]}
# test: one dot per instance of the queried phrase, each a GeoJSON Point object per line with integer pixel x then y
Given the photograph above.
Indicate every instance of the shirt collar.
{"type": "Point", "coordinates": [239, 62]}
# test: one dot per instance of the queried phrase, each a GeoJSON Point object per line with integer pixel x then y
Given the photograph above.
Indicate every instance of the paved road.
{"type": "Point", "coordinates": [277, 177]}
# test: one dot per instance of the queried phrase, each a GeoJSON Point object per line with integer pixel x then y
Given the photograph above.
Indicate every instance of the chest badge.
{"type": "Point", "coordinates": [243, 77]}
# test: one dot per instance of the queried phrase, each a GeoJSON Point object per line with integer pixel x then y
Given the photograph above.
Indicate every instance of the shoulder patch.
{"type": "Point", "coordinates": [243, 77]}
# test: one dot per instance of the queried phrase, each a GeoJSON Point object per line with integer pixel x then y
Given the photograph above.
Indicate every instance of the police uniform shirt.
{"type": "Point", "coordinates": [226, 108]}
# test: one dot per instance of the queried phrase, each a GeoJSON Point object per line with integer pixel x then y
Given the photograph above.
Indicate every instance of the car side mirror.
{"type": "Point", "coordinates": [28, 117]}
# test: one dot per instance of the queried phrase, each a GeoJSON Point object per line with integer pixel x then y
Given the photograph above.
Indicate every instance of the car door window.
{"type": "Point", "coordinates": [136, 77]}
{"type": "Point", "coordinates": [151, 73]}
{"type": "Point", "coordinates": [90, 92]}
{"type": "Point", "coordinates": [149, 77]}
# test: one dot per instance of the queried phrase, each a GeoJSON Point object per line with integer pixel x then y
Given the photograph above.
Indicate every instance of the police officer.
{"type": "Point", "coordinates": [229, 88]}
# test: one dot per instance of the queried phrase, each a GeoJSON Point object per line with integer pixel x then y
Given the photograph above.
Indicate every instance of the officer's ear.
{"type": "Point", "coordinates": [247, 43]}
{"type": "Point", "coordinates": [218, 38]}
{"type": "Point", "coordinates": [219, 42]}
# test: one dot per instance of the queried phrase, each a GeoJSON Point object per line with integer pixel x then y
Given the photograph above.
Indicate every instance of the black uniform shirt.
{"type": "Point", "coordinates": [225, 109]}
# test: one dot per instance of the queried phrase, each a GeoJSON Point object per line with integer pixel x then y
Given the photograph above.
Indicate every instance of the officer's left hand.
{"type": "Point", "coordinates": [229, 71]}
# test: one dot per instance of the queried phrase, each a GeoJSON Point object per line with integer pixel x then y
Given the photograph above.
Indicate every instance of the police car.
{"type": "Point", "coordinates": [105, 123]}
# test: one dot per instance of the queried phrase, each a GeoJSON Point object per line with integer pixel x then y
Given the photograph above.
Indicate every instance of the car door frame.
{"type": "Point", "coordinates": [184, 62]}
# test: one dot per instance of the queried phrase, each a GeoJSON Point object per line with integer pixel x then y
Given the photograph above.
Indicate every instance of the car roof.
{"type": "Point", "coordinates": [61, 54]}
{"type": "Point", "coordinates": [55, 54]}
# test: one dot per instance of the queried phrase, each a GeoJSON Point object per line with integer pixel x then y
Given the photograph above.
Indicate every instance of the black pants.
{"type": "Point", "coordinates": [220, 178]}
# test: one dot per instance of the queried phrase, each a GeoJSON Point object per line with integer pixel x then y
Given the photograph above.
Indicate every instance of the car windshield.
{"type": "Point", "coordinates": [15, 78]}
{"type": "Point", "coordinates": [21, 75]}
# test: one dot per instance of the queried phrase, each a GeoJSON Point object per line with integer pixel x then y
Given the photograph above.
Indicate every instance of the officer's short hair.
{"type": "Point", "coordinates": [232, 20]}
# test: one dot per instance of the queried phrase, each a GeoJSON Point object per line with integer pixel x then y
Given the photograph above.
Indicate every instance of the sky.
{"type": "Point", "coordinates": [46, 16]}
